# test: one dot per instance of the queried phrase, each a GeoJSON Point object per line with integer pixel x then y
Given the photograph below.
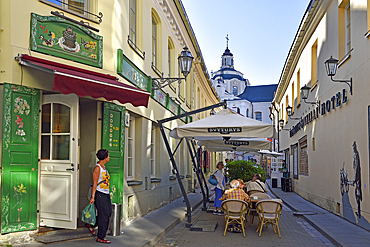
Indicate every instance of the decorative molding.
{"type": "Point", "coordinates": [172, 22]}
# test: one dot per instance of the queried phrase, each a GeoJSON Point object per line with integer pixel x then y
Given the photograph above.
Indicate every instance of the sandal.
{"type": "Point", "coordinates": [90, 229]}
{"type": "Point", "coordinates": [104, 241]}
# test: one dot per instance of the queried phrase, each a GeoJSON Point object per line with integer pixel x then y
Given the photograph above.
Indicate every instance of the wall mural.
{"type": "Point", "coordinates": [345, 184]}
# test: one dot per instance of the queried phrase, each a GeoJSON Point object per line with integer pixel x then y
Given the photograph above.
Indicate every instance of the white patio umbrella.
{"type": "Point", "coordinates": [225, 123]}
{"type": "Point", "coordinates": [270, 153]}
{"type": "Point", "coordinates": [239, 144]}
{"type": "Point", "coordinates": [231, 149]}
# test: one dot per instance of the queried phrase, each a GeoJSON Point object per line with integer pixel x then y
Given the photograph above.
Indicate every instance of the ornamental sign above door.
{"type": "Point", "coordinates": [58, 37]}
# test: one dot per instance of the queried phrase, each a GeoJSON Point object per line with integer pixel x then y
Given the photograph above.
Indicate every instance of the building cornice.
{"type": "Point", "coordinates": [314, 13]}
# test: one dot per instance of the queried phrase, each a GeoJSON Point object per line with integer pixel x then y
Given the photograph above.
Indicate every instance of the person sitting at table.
{"type": "Point", "coordinates": [257, 185]}
{"type": "Point", "coordinates": [248, 182]}
{"type": "Point", "coordinates": [241, 183]}
{"type": "Point", "coordinates": [235, 192]}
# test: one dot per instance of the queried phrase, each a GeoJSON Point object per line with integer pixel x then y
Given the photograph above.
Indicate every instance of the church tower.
{"type": "Point", "coordinates": [227, 60]}
{"type": "Point", "coordinates": [228, 82]}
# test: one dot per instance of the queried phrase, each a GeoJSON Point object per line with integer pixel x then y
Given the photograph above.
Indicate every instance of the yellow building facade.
{"type": "Point", "coordinates": [326, 138]}
{"type": "Point", "coordinates": [49, 49]}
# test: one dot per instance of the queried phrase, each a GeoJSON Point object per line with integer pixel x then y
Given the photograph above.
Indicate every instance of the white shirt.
{"type": "Point", "coordinates": [103, 176]}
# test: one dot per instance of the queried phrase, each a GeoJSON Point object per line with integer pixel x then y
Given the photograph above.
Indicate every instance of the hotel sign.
{"type": "Point", "coordinates": [331, 104]}
{"type": "Point", "coordinates": [225, 130]}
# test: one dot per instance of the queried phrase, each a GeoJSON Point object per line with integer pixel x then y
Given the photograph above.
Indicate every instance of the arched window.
{"type": "Point", "coordinates": [171, 55]}
{"type": "Point", "coordinates": [133, 21]}
{"type": "Point", "coordinates": [235, 90]}
{"type": "Point", "coordinates": [156, 40]}
{"type": "Point", "coordinates": [259, 116]}
{"type": "Point", "coordinates": [247, 113]}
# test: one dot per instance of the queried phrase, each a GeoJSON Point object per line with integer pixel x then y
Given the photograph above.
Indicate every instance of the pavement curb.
{"type": "Point", "coordinates": [331, 239]}
{"type": "Point", "coordinates": [155, 239]}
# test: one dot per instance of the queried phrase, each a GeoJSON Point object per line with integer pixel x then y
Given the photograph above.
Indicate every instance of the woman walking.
{"type": "Point", "coordinates": [100, 195]}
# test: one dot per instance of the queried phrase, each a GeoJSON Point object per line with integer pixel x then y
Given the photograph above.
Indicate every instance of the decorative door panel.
{"type": "Point", "coordinates": [20, 158]}
{"type": "Point", "coordinates": [113, 139]}
{"type": "Point", "coordinates": [59, 161]}
{"type": "Point", "coordinates": [56, 197]}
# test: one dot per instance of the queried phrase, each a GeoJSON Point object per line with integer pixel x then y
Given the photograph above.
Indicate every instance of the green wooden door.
{"type": "Point", "coordinates": [113, 139]}
{"type": "Point", "coordinates": [20, 158]}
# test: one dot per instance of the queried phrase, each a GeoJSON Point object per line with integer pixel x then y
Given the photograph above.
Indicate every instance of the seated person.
{"type": "Point", "coordinates": [241, 183]}
{"type": "Point", "coordinates": [248, 182]}
{"type": "Point", "coordinates": [257, 185]}
{"type": "Point", "coordinates": [235, 192]}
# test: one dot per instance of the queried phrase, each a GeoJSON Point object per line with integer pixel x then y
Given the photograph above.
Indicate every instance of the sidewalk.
{"type": "Point", "coordinates": [338, 230]}
{"type": "Point", "coordinates": [145, 231]}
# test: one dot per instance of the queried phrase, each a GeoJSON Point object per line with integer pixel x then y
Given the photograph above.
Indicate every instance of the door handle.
{"type": "Point", "coordinates": [70, 169]}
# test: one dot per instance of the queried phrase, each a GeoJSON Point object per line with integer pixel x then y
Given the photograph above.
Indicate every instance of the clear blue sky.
{"type": "Point", "coordinates": [260, 33]}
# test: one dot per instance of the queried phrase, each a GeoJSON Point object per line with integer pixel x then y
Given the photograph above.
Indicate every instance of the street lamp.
{"type": "Point", "coordinates": [304, 93]}
{"type": "Point", "coordinates": [185, 62]}
{"type": "Point", "coordinates": [281, 124]}
{"type": "Point", "coordinates": [331, 66]}
{"type": "Point", "coordinates": [289, 112]}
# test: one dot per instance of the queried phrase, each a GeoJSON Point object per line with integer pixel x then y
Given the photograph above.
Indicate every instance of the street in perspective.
{"type": "Point", "coordinates": [184, 123]}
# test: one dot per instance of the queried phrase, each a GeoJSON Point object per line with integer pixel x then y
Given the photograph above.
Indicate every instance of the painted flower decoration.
{"type": "Point", "coordinates": [21, 106]}
{"type": "Point", "coordinates": [19, 121]}
{"type": "Point", "coordinates": [21, 189]}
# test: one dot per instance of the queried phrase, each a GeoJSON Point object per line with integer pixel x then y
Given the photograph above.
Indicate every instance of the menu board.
{"type": "Point", "coordinates": [173, 107]}
{"type": "Point", "coordinates": [114, 130]}
{"type": "Point", "coordinates": [160, 96]}
{"type": "Point", "coordinates": [128, 69]}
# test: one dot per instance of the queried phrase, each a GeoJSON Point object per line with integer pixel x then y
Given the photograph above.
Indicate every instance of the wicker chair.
{"type": "Point", "coordinates": [235, 212]}
{"type": "Point", "coordinates": [269, 212]}
{"type": "Point", "coordinates": [252, 211]}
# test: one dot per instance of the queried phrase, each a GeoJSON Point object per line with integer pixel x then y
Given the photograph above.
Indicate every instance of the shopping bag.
{"type": "Point", "coordinates": [88, 214]}
{"type": "Point", "coordinates": [212, 180]}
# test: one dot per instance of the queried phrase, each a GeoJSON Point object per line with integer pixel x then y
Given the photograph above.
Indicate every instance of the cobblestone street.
{"type": "Point", "coordinates": [295, 231]}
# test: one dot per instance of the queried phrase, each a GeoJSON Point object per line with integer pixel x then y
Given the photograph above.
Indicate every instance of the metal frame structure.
{"type": "Point", "coordinates": [196, 168]}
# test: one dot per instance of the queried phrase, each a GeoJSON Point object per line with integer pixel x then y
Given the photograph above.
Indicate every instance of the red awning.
{"type": "Point", "coordinates": [69, 79]}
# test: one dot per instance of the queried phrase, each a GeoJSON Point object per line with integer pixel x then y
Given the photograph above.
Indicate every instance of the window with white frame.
{"type": "Point", "coordinates": [131, 149]}
{"type": "Point", "coordinates": [348, 27]}
{"type": "Point", "coordinates": [295, 161]}
{"type": "Point", "coordinates": [133, 21]}
{"type": "Point", "coordinates": [154, 41]}
{"type": "Point", "coordinates": [152, 151]}
{"type": "Point", "coordinates": [75, 6]}
{"type": "Point", "coordinates": [259, 116]}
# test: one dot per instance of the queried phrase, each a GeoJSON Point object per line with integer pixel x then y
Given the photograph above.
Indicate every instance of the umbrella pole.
{"type": "Point", "coordinates": [200, 170]}
{"type": "Point", "coordinates": [186, 199]}
{"type": "Point", "coordinates": [192, 155]}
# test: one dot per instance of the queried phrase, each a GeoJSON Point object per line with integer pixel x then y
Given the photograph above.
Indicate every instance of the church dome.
{"type": "Point", "coordinates": [227, 52]}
